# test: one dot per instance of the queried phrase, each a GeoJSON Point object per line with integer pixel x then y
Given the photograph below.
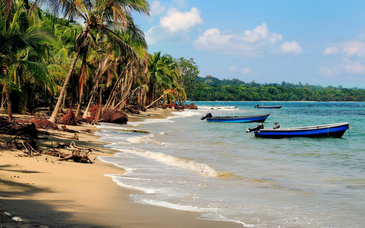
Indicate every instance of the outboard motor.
{"type": "Point", "coordinates": [259, 127]}
{"type": "Point", "coordinates": [206, 116]}
{"type": "Point", "coordinates": [276, 125]}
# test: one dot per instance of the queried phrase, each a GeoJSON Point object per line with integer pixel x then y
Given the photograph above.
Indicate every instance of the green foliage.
{"type": "Point", "coordinates": [211, 88]}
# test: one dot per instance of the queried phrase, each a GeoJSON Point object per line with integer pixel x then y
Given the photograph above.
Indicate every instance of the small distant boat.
{"type": "Point", "coordinates": [269, 107]}
{"type": "Point", "coordinates": [328, 130]}
{"type": "Point", "coordinates": [236, 119]}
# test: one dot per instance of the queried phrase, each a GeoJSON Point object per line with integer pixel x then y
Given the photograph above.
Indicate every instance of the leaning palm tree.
{"type": "Point", "coordinates": [101, 17]}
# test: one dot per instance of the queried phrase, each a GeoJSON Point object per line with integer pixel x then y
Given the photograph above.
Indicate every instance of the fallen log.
{"type": "Point", "coordinates": [80, 154]}
{"type": "Point", "coordinates": [137, 131]}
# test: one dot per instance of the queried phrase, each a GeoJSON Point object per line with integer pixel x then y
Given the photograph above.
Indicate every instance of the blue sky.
{"type": "Point", "coordinates": [268, 41]}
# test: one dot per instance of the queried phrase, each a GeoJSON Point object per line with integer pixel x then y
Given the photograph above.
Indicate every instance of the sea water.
{"type": "Point", "coordinates": [222, 172]}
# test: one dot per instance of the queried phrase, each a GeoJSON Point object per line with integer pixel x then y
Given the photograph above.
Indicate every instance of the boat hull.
{"type": "Point", "coordinates": [332, 130]}
{"type": "Point", "coordinates": [239, 119]}
{"type": "Point", "coordinates": [269, 107]}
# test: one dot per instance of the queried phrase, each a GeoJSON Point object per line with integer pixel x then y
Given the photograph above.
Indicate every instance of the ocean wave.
{"type": "Point", "coordinates": [150, 121]}
{"type": "Point", "coordinates": [200, 168]}
{"type": "Point", "coordinates": [210, 213]}
{"type": "Point", "coordinates": [184, 114]}
{"type": "Point", "coordinates": [112, 127]}
{"type": "Point", "coordinates": [173, 206]}
{"type": "Point", "coordinates": [221, 218]}
{"type": "Point", "coordinates": [116, 179]}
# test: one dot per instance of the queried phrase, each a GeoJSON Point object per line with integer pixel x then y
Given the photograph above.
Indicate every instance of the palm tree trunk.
{"type": "Point", "coordinates": [163, 95]}
{"type": "Point", "coordinates": [64, 88]}
{"type": "Point", "coordinates": [2, 100]}
{"type": "Point", "coordinates": [117, 83]}
{"type": "Point", "coordinates": [88, 106]}
{"type": "Point", "coordinates": [8, 103]}
{"type": "Point", "coordinates": [95, 88]}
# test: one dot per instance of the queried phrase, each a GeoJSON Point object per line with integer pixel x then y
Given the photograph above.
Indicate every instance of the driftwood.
{"type": "Point", "coordinates": [137, 131]}
{"type": "Point", "coordinates": [80, 154]}
{"type": "Point", "coordinates": [25, 143]}
{"type": "Point", "coordinates": [68, 130]}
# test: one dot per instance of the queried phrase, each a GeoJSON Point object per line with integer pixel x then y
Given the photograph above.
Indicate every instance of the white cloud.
{"type": "Point", "coordinates": [327, 72]}
{"type": "Point", "coordinates": [177, 21]}
{"type": "Point", "coordinates": [355, 68]}
{"type": "Point", "coordinates": [156, 8]}
{"type": "Point", "coordinates": [175, 26]}
{"type": "Point", "coordinates": [250, 43]}
{"type": "Point", "coordinates": [354, 48]}
{"type": "Point", "coordinates": [290, 48]}
{"type": "Point", "coordinates": [246, 70]}
{"type": "Point", "coordinates": [330, 51]}
{"type": "Point", "coordinates": [233, 68]}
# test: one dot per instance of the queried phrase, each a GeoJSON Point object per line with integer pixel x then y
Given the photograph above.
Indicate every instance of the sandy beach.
{"type": "Point", "coordinates": [42, 191]}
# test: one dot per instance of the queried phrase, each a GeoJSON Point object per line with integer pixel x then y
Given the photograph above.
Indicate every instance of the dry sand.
{"type": "Point", "coordinates": [45, 192]}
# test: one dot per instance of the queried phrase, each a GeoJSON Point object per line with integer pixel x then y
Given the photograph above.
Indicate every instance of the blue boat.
{"type": "Point", "coordinates": [236, 119]}
{"type": "Point", "coordinates": [269, 107]}
{"type": "Point", "coordinates": [329, 130]}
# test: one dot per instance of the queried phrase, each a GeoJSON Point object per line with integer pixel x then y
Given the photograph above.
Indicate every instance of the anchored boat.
{"type": "Point", "coordinates": [236, 119]}
{"type": "Point", "coordinates": [328, 130]}
{"type": "Point", "coordinates": [268, 107]}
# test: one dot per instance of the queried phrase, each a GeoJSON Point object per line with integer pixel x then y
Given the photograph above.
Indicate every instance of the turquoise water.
{"type": "Point", "coordinates": [229, 175]}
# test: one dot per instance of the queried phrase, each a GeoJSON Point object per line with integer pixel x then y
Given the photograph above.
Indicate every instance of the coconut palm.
{"type": "Point", "coordinates": [164, 76]}
{"type": "Point", "coordinates": [22, 41]}
{"type": "Point", "coordinates": [100, 17]}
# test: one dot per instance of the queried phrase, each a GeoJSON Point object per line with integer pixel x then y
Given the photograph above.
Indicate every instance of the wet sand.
{"type": "Point", "coordinates": [43, 191]}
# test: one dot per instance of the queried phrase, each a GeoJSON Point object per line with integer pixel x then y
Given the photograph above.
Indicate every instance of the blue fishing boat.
{"type": "Point", "coordinates": [268, 107]}
{"type": "Point", "coordinates": [328, 130]}
{"type": "Point", "coordinates": [236, 119]}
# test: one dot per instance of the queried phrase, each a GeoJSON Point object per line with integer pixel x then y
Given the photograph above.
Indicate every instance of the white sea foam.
{"type": "Point", "coordinates": [116, 179]}
{"type": "Point", "coordinates": [211, 108]}
{"type": "Point", "coordinates": [174, 206]}
{"type": "Point", "coordinates": [219, 217]}
{"type": "Point", "coordinates": [213, 214]}
{"type": "Point", "coordinates": [146, 139]}
{"type": "Point", "coordinates": [184, 114]}
{"type": "Point", "coordinates": [200, 168]}
{"type": "Point", "coordinates": [112, 127]}
{"type": "Point", "coordinates": [150, 121]}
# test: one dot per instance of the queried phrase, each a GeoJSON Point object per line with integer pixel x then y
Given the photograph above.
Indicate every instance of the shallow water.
{"type": "Point", "coordinates": [229, 175]}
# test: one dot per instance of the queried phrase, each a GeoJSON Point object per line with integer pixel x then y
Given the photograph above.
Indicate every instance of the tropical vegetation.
{"type": "Point", "coordinates": [49, 59]}
{"type": "Point", "coordinates": [210, 88]}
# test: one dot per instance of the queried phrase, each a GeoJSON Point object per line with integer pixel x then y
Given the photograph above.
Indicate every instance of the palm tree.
{"type": "Point", "coordinates": [100, 17]}
{"type": "Point", "coordinates": [164, 79]}
{"type": "Point", "coordinates": [22, 39]}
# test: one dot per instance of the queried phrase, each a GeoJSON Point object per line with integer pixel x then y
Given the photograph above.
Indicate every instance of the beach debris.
{"type": "Point", "coordinates": [131, 110]}
{"type": "Point", "coordinates": [62, 145]}
{"type": "Point", "coordinates": [80, 154]}
{"type": "Point", "coordinates": [24, 143]}
{"type": "Point", "coordinates": [87, 130]}
{"type": "Point", "coordinates": [108, 115]}
{"type": "Point", "coordinates": [39, 123]}
{"type": "Point", "coordinates": [192, 106]}
{"type": "Point", "coordinates": [69, 118]}
{"type": "Point", "coordinates": [68, 130]}
{"type": "Point", "coordinates": [136, 131]}
{"type": "Point", "coordinates": [14, 128]}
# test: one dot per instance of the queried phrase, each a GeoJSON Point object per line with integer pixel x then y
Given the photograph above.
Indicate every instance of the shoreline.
{"type": "Point", "coordinates": [43, 191]}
